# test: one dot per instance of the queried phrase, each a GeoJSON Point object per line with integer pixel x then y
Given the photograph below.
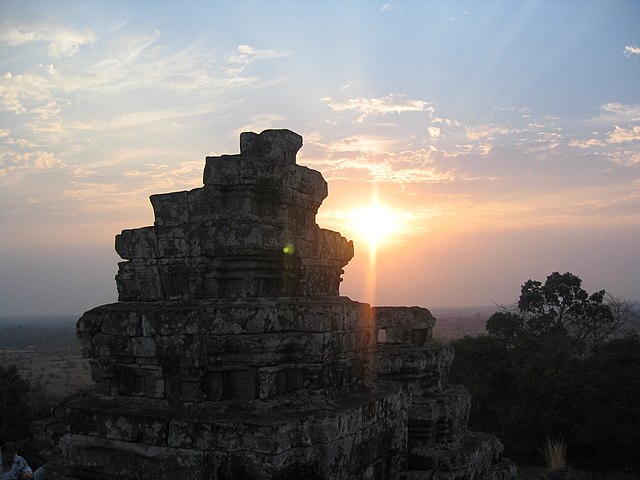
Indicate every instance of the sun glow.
{"type": "Point", "coordinates": [374, 225]}
{"type": "Point", "coordinates": [376, 228]}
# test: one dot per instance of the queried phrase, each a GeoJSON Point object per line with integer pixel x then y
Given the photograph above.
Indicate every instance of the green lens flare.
{"type": "Point", "coordinates": [288, 249]}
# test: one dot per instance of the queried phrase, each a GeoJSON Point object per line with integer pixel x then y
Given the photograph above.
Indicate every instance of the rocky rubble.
{"type": "Point", "coordinates": [231, 355]}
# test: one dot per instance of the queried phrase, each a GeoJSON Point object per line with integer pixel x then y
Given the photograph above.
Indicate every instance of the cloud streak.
{"type": "Point", "coordinates": [61, 40]}
{"type": "Point", "coordinates": [365, 107]}
{"type": "Point", "coordinates": [618, 112]}
{"type": "Point", "coordinates": [12, 161]}
{"type": "Point", "coordinates": [631, 50]}
{"type": "Point", "coordinates": [622, 134]}
{"type": "Point", "coordinates": [192, 81]}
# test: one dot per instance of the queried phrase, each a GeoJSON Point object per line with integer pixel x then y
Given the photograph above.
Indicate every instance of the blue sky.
{"type": "Point", "coordinates": [504, 137]}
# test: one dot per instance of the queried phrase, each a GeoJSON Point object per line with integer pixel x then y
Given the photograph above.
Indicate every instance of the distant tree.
{"type": "Point", "coordinates": [625, 312]}
{"type": "Point", "coordinates": [506, 326]}
{"type": "Point", "coordinates": [14, 406]}
{"type": "Point", "coordinates": [561, 306]}
{"type": "Point", "coordinates": [532, 377]}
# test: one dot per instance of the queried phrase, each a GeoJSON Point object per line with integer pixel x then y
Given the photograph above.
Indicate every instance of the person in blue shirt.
{"type": "Point", "coordinates": [14, 467]}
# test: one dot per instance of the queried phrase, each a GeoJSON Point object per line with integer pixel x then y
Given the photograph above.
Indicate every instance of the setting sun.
{"type": "Point", "coordinates": [372, 227]}
{"type": "Point", "coordinates": [374, 224]}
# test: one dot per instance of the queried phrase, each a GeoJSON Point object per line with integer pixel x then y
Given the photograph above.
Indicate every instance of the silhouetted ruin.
{"type": "Point", "coordinates": [230, 354]}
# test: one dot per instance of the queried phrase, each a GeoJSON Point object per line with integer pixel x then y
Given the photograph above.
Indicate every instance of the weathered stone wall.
{"type": "Point", "coordinates": [249, 232]}
{"type": "Point", "coordinates": [228, 349]}
{"type": "Point", "coordinates": [440, 444]}
{"type": "Point", "coordinates": [255, 388]}
{"type": "Point", "coordinates": [301, 436]}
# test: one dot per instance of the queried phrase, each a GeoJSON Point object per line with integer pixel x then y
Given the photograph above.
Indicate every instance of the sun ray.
{"type": "Point", "coordinates": [374, 225]}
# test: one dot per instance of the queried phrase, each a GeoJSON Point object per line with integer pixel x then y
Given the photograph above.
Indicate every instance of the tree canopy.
{"type": "Point", "coordinates": [558, 306]}
{"type": "Point", "coordinates": [556, 365]}
{"type": "Point", "coordinates": [14, 407]}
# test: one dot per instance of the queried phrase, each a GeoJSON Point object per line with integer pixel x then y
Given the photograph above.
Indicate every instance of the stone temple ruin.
{"type": "Point", "coordinates": [230, 354]}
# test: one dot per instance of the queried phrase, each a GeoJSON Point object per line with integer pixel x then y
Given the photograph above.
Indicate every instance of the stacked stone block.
{"type": "Point", "coordinates": [440, 446]}
{"type": "Point", "coordinates": [305, 436]}
{"type": "Point", "coordinates": [219, 349]}
{"type": "Point", "coordinates": [249, 232]}
{"type": "Point", "coordinates": [230, 354]}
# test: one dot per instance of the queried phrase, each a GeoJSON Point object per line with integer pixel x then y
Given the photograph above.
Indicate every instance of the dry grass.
{"type": "Point", "coordinates": [555, 455]}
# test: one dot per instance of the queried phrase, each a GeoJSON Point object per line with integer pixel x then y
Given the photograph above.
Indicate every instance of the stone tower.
{"type": "Point", "coordinates": [230, 354]}
{"type": "Point", "coordinates": [440, 446]}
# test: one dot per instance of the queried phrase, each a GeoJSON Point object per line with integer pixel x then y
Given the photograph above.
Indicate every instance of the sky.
{"type": "Point", "coordinates": [497, 141]}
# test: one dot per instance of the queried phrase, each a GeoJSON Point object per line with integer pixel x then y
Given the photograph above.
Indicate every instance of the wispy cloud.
{"type": "Point", "coordinates": [245, 55]}
{"type": "Point", "coordinates": [624, 157]}
{"type": "Point", "coordinates": [392, 103]}
{"type": "Point", "coordinates": [140, 119]}
{"type": "Point", "coordinates": [621, 134]}
{"type": "Point", "coordinates": [154, 177]}
{"type": "Point", "coordinates": [94, 193]}
{"type": "Point", "coordinates": [193, 80]}
{"type": "Point", "coordinates": [434, 132]}
{"type": "Point", "coordinates": [631, 50]}
{"type": "Point", "coordinates": [61, 40]}
{"type": "Point", "coordinates": [417, 175]}
{"type": "Point", "coordinates": [444, 121]}
{"type": "Point", "coordinates": [488, 131]}
{"type": "Point", "coordinates": [618, 112]}
{"type": "Point", "coordinates": [127, 49]}
{"type": "Point", "coordinates": [373, 159]}
{"type": "Point", "coordinates": [20, 155]}
{"type": "Point", "coordinates": [628, 158]}
{"type": "Point", "coordinates": [77, 114]}
{"type": "Point", "coordinates": [21, 93]}
{"type": "Point", "coordinates": [363, 144]}
{"type": "Point", "coordinates": [31, 161]}
{"type": "Point", "coordinates": [258, 123]}
{"type": "Point", "coordinates": [588, 143]}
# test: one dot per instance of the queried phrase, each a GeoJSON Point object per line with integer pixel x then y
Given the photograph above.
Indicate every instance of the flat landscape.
{"type": "Point", "coordinates": [56, 373]}
{"type": "Point", "coordinates": [456, 322]}
{"type": "Point", "coordinates": [46, 353]}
